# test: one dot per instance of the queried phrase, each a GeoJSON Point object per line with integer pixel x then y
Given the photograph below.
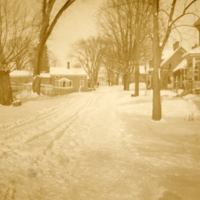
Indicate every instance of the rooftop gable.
{"type": "Point", "coordinates": [193, 52]}
{"type": "Point", "coordinates": [171, 56]}
{"type": "Point", "coordinates": [65, 71]}
{"type": "Point", "coordinates": [182, 65]}
{"type": "Point", "coordinates": [21, 73]}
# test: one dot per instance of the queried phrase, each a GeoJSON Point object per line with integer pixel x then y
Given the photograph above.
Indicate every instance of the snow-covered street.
{"type": "Point", "coordinates": [100, 145]}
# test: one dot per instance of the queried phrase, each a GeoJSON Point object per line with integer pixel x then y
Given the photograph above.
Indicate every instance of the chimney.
{"type": "Point", "coordinates": [175, 45]}
{"type": "Point", "coordinates": [68, 65]}
{"type": "Point", "coordinates": [196, 45]}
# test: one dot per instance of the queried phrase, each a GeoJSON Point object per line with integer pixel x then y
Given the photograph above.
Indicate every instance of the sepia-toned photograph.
{"type": "Point", "coordinates": [99, 99]}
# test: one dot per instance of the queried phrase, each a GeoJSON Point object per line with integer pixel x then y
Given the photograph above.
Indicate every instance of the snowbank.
{"type": "Point", "coordinates": [172, 106]}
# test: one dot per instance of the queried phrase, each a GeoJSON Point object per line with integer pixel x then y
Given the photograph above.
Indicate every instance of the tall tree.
{"type": "Point", "coordinates": [53, 59]}
{"type": "Point", "coordinates": [166, 19]}
{"type": "Point", "coordinates": [142, 23]}
{"type": "Point", "coordinates": [111, 64]}
{"type": "Point", "coordinates": [47, 24]}
{"type": "Point", "coordinates": [89, 54]}
{"type": "Point", "coordinates": [123, 23]}
{"type": "Point", "coordinates": [16, 34]}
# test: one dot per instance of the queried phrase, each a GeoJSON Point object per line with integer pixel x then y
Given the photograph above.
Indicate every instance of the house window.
{"type": "Point", "coordinates": [64, 84]}
{"type": "Point", "coordinates": [196, 72]}
{"type": "Point", "coordinates": [82, 83]}
{"type": "Point", "coordinates": [170, 66]}
{"type": "Point", "coordinates": [57, 77]}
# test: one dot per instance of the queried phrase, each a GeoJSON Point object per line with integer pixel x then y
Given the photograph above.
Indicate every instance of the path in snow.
{"type": "Point", "coordinates": [89, 148]}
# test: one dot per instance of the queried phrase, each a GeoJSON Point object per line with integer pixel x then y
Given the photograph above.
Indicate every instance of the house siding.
{"type": "Point", "coordinates": [168, 67]}
{"type": "Point", "coordinates": [18, 82]}
{"type": "Point", "coordinates": [74, 78]}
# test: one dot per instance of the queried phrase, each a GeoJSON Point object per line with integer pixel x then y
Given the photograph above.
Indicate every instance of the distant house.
{"type": "Point", "coordinates": [73, 78]}
{"type": "Point", "coordinates": [171, 67]}
{"type": "Point", "coordinates": [63, 80]}
{"type": "Point", "coordinates": [24, 76]}
{"type": "Point", "coordinates": [20, 77]}
{"type": "Point", "coordinates": [192, 68]}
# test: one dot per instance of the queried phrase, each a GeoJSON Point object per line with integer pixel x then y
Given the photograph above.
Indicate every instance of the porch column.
{"type": "Point", "coordinates": [193, 66]}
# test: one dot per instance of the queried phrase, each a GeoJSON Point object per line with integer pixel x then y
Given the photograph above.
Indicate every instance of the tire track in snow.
{"type": "Point", "coordinates": [39, 117]}
{"type": "Point", "coordinates": [69, 122]}
{"type": "Point", "coordinates": [56, 129]}
{"type": "Point", "coordinates": [37, 123]}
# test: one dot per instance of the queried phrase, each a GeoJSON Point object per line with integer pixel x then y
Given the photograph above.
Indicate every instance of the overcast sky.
{"type": "Point", "coordinates": [77, 22]}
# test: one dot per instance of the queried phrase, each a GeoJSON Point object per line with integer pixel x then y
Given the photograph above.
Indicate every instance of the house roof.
{"type": "Point", "coordinates": [21, 73]}
{"type": "Point", "coordinates": [45, 75]}
{"type": "Point", "coordinates": [65, 71]}
{"type": "Point", "coordinates": [182, 65]}
{"type": "Point", "coordinates": [170, 56]}
{"type": "Point", "coordinates": [193, 52]}
{"type": "Point", "coordinates": [27, 73]}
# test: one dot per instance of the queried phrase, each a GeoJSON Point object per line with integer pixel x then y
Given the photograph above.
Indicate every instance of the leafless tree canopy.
{"type": "Point", "coordinates": [17, 32]}
{"type": "Point", "coordinates": [90, 54]}
{"type": "Point", "coordinates": [126, 25]}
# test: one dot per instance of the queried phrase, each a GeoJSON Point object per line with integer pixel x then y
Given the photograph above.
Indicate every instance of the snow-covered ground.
{"type": "Point", "coordinates": [100, 145]}
{"type": "Point", "coordinates": [172, 106]}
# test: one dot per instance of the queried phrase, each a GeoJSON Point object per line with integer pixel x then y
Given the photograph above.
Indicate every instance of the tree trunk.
{"type": "Point", "coordinates": [117, 79]}
{"type": "Point", "coordinates": [137, 50]}
{"type": "Point", "coordinates": [109, 79]}
{"type": "Point", "coordinates": [137, 76]}
{"type": "Point", "coordinates": [156, 113]}
{"type": "Point", "coordinates": [37, 67]}
{"type": "Point", "coordinates": [126, 81]}
{"type": "Point", "coordinates": [96, 78]}
{"type": "Point", "coordinates": [5, 89]}
{"type": "Point", "coordinates": [39, 58]}
{"type": "Point", "coordinates": [92, 81]}
{"type": "Point", "coordinates": [36, 84]}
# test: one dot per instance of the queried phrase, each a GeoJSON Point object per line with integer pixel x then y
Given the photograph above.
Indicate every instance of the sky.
{"type": "Point", "coordinates": [78, 22]}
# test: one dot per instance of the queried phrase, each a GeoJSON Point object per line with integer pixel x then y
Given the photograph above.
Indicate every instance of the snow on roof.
{"type": "Point", "coordinates": [20, 73]}
{"type": "Point", "coordinates": [193, 52]}
{"type": "Point", "coordinates": [65, 71]}
{"type": "Point", "coordinates": [63, 79]}
{"type": "Point", "coordinates": [45, 75]}
{"type": "Point", "coordinates": [27, 73]}
{"type": "Point", "coordinates": [181, 65]}
{"type": "Point", "coordinates": [164, 61]}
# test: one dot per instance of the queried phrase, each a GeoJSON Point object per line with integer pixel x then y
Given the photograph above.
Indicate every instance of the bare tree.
{"type": "Point", "coordinates": [89, 54]}
{"type": "Point", "coordinates": [53, 59]}
{"type": "Point", "coordinates": [142, 23]}
{"type": "Point", "coordinates": [123, 23]}
{"type": "Point", "coordinates": [167, 18]}
{"type": "Point", "coordinates": [16, 33]}
{"type": "Point", "coordinates": [110, 61]}
{"type": "Point", "coordinates": [47, 24]}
